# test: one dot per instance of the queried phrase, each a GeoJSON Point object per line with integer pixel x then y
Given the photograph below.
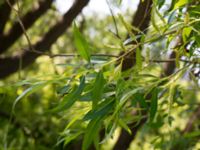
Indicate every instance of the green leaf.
{"type": "Point", "coordinates": [81, 44]}
{"type": "Point", "coordinates": [138, 58]}
{"type": "Point", "coordinates": [100, 110]}
{"type": "Point", "coordinates": [180, 3]}
{"type": "Point", "coordinates": [173, 2]}
{"type": "Point", "coordinates": [192, 134]}
{"type": "Point", "coordinates": [71, 98]}
{"type": "Point", "coordinates": [91, 132]}
{"type": "Point", "coordinates": [154, 104]}
{"type": "Point", "coordinates": [124, 126]}
{"type": "Point", "coordinates": [64, 90]}
{"type": "Point", "coordinates": [35, 87]}
{"type": "Point", "coordinates": [160, 3]}
{"type": "Point", "coordinates": [86, 96]}
{"type": "Point", "coordinates": [172, 91]}
{"type": "Point", "coordinates": [98, 88]}
{"type": "Point", "coordinates": [153, 21]}
{"type": "Point", "coordinates": [139, 97]}
{"type": "Point", "coordinates": [70, 137]}
{"type": "Point", "coordinates": [126, 97]}
{"type": "Point", "coordinates": [119, 2]}
{"type": "Point", "coordinates": [129, 27]}
{"type": "Point", "coordinates": [159, 15]}
{"type": "Point", "coordinates": [186, 33]}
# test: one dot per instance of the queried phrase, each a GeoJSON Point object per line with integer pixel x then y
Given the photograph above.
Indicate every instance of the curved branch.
{"type": "Point", "coordinates": [9, 65]}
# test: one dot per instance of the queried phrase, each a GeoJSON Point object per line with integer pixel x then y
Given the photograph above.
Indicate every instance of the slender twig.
{"type": "Point", "coordinates": [21, 24]}
{"type": "Point", "coordinates": [114, 20]}
{"type": "Point", "coordinates": [116, 56]}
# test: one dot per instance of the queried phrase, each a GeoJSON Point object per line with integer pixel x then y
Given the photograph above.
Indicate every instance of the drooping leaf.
{"type": "Point", "coordinates": [139, 97]}
{"type": "Point", "coordinates": [173, 2]}
{"type": "Point", "coordinates": [71, 137]}
{"type": "Point", "coordinates": [81, 44]}
{"type": "Point", "coordinates": [186, 33]}
{"type": "Point", "coordinates": [180, 3]}
{"type": "Point", "coordinates": [124, 126]}
{"type": "Point", "coordinates": [91, 132]}
{"type": "Point", "coordinates": [138, 58]}
{"type": "Point", "coordinates": [153, 19]}
{"type": "Point", "coordinates": [71, 98]}
{"type": "Point", "coordinates": [64, 90]}
{"type": "Point", "coordinates": [35, 87]}
{"type": "Point", "coordinates": [154, 104]}
{"type": "Point", "coordinates": [159, 15]}
{"type": "Point", "coordinates": [192, 134]}
{"type": "Point", "coordinates": [98, 88]}
{"type": "Point", "coordinates": [100, 110]}
{"type": "Point", "coordinates": [160, 3]}
{"type": "Point", "coordinates": [129, 27]}
{"type": "Point", "coordinates": [126, 97]}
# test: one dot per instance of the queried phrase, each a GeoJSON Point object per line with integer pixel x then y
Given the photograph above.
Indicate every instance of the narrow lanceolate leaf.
{"type": "Point", "coordinates": [129, 27]}
{"type": "Point", "coordinates": [180, 3]}
{"type": "Point", "coordinates": [124, 126]}
{"type": "Point", "coordinates": [100, 111]}
{"type": "Point", "coordinates": [30, 90]}
{"type": "Point", "coordinates": [159, 15]}
{"type": "Point", "coordinates": [172, 91]}
{"type": "Point", "coordinates": [160, 3]}
{"type": "Point", "coordinates": [91, 132]}
{"type": "Point", "coordinates": [126, 97]}
{"type": "Point", "coordinates": [81, 44]}
{"type": "Point", "coordinates": [153, 19]}
{"type": "Point", "coordinates": [154, 104]}
{"type": "Point", "coordinates": [71, 98]}
{"type": "Point", "coordinates": [138, 58]}
{"type": "Point", "coordinates": [98, 88]}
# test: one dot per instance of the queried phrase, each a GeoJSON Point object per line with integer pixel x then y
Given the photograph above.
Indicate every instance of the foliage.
{"type": "Point", "coordinates": [89, 99]}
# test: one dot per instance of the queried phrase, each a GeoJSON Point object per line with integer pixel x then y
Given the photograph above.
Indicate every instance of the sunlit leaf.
{"type": "Point", "coordinates": [35, 87]}
{"type": "Point", "coordinates": [91, 132]}
{"type": "Point", "coordinates": [71, 137]}
{"type": "Point", "coordinates": [126, 97]}
{"type": "Point", "coordinates": [180, 3]}
{"type": "Point", "coordinates": [71, 98]}
{"type": "Point", "coordinates": [154, 104]}
{"type": "Point", "coordinates": [81, 44]}
{"type": "Point", "coordinates": [192, 134]}
{"type": "Point", "coordinates": [138, 58]}
{"type": "Point", "coordinates": [124, 126]}
{"type": "Point", "coordinates": [100, 110]}
{"type": "Point", "coordinates": [98, 88]}
{"type": "Point", "coordinates": [160, 3]}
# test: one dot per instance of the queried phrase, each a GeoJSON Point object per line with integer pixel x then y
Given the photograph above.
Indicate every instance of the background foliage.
{"type": "Point", "coordinates": [113, 82]}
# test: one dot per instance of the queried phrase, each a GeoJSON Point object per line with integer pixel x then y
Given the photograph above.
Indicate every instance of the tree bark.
{"type": "Point", "coordinates": [141, 21]}
{"type": "Point", "coordinates": [8, 39]}
{"type": "Point", "coordinates": [10, 65]}
{"type": "Point", "coordinates": [4, 15]}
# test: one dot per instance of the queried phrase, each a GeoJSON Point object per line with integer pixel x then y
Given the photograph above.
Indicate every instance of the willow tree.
{"type": "Point", "coordinates": [141, 90]}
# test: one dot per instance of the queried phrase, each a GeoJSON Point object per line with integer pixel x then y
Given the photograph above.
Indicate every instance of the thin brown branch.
{"type": "Point", "coordinates": [124, 56]}
{"type": "Point", "coordinates": [9, 65]}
